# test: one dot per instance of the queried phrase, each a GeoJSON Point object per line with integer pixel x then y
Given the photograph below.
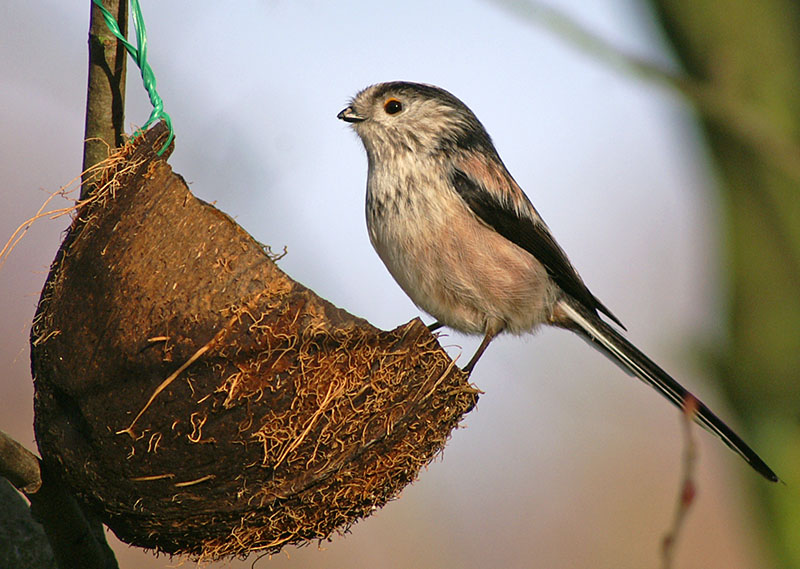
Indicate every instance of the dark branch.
{"type": "Point", "coordinates": [77, 539]}
{"type": "Point", "coordinates": [105, 96]}
{"type": "Point", "coordinates": [19, 465]}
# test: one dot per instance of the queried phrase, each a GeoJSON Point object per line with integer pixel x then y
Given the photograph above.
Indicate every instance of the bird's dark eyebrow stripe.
{"type": "Point", "coordinates": [530, 236]}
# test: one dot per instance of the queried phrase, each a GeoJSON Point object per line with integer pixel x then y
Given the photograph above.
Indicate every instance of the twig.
{"type": "Point", "coordinates": [105, 95]}
{"type": "Point", "coordinates": [19, 465]}
{"type": "Point", "coordinates": [688, 489]}
{"type": "Point", "coordinates": [748, 123]}
{"type": "Point", "coordinates": [76, 539]}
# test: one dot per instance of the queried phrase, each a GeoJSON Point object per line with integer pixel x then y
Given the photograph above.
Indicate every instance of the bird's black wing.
{"type": "Point", "coordinates": [526, 233]}
{"type": "Point", "coordinates": [581, 306]}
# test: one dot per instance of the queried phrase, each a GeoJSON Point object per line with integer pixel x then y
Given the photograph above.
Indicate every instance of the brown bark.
{"type": "Point", "coordinates": [105, 94]}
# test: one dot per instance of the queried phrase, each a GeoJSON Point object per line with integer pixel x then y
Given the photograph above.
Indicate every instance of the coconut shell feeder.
{"type": "Point", "coordinates": [202, 402]}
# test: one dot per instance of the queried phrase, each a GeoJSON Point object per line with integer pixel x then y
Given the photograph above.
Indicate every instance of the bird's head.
{"type": "Point", "coordinates": [400, 117]}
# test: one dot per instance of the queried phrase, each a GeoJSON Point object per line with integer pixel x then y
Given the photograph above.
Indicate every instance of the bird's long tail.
{"type": "Point", "coordinates": [611, 343]}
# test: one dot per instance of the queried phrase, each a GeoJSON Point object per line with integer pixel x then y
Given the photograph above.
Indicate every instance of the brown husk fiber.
{"type": "Point", "coordinates": [283, 418]}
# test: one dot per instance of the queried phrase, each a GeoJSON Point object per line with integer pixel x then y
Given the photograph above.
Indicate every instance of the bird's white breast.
{"type": "Point", "coordinates": [450, 263]}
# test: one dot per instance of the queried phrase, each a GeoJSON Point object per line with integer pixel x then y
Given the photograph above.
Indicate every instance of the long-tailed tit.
{"type": "Point", "coordinates": [465, 243]}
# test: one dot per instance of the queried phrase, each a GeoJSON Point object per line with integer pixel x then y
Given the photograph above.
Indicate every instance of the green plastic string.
{"type": "Point", "coordinates": [139, 55]}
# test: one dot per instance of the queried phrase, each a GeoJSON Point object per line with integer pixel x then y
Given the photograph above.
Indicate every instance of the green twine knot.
{"type": "Point", "coordinates": [139, 55]}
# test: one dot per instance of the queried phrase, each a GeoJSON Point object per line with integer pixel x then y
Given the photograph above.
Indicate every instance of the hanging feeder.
{"type": "Point", "coordinates": [201, 401]}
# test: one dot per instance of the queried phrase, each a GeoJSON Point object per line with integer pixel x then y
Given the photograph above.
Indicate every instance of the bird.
{"type": "Point", "coordinates": [466, 244]}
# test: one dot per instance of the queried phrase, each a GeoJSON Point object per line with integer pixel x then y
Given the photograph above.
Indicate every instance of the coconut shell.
{"type": "Point", "coordinates": [204, 403]}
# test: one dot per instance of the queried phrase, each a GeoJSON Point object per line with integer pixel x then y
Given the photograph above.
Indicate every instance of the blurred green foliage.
{"type": "Point", "coordinates": [747, 52]}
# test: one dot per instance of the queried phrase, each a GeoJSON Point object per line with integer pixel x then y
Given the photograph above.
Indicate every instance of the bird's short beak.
{"type": "Point", "coordinates": [349, 115]}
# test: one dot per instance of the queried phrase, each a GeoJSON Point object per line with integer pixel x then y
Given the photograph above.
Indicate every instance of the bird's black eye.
{"type": "Point", "coordinates": [392, 106]}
